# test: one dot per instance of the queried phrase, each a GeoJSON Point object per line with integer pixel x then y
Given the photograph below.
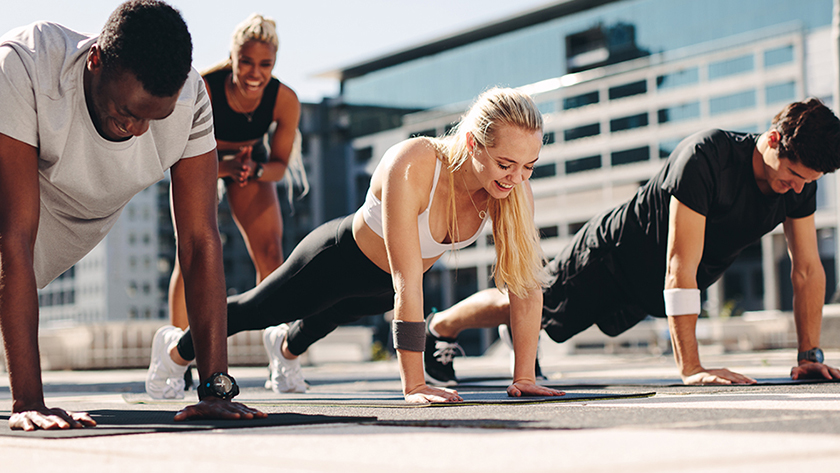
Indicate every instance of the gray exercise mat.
{"type": "Point", "coordinates": [123, 422]}
{"type": "Point", "coordinates": [584, 383]}
{"type": "Point", "coordinates": [396, 400]}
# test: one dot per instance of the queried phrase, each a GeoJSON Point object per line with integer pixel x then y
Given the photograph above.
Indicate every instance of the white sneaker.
{"type": "Point", "coordinates": [165, 378]}
{"type": "Point", "coordinates": [284, 374]}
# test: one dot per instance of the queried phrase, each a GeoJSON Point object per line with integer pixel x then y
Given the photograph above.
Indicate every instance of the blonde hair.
{"type": "Point", "coordinates": [519, 258]}
{"type": "Point", "coordinates": [255, 28]}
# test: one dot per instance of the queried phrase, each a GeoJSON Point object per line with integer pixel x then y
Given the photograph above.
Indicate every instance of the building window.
{"type": "Point", "coordinates": [575, 227]}
{"type": "Point", "coordinates": [544, 170]}
{"type": "Point", "coordinates": [679, 112]}
{"type": "Point", "coordinates": [549, 232]}
{"type": "Point", "coordinates": [630, 156]}
{"type": "Point", "coordinates": [775, 57]}
{"type": "Point", "coordinates": [784, 92]}
{"type": "Point", "coordinates": [549, 138]}
{"type": "Point", "coordinates": [627, 90]}
{"type": "Point", "coordinates": [730, 103]}
{"type": "Point", "coordinates": [628, 123]}
{"type": "Point", "coordinates": [580, 100]}
{"type": "Point", "coordinates": [731, 67]}
{"type": "Point", "coordinates": [667, 147]}
{"type": "Point", "coordinates": [363, 155]}
{"type": "Point", "coordinates": [678, 79]}
{"type": "Point", "coordinates": [583, 164]}
{"type": "Point", "coordinates": [582, 132]}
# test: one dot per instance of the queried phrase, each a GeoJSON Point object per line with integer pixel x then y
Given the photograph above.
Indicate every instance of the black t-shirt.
{"type": "Point", "coordinates": [711, 173]}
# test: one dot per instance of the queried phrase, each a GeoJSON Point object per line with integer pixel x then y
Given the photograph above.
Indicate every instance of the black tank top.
{"type": "Point", "coordinates": [234, 126]}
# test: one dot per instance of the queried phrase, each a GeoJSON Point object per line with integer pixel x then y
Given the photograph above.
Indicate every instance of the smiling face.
{"type": "Point", "coordinates": [119, 105]}
{"type": "Point", "coordinates": [508, 163]}
{"type": "Point", "coordinates": [252, 65]}
{"type": "Point", "coordinates": [778, 174]}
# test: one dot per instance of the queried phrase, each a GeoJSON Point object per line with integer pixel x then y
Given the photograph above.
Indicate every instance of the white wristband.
{"type": "Point", "coordinates": [681, 301]}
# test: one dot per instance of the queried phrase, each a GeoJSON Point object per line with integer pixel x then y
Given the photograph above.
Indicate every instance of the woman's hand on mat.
{"type": "Point", "coordinates": [50, 419]}
{"type": "Point", "coordinates": [215, 408]}
{"type": "Point", "coordinates": [810, 370]}
{"type": "Point", "coordinates": [427, 393]}
{"type": "Point", "coordinates": [522, 388]}
{"type": "Point", "coordinates": [717, 376]}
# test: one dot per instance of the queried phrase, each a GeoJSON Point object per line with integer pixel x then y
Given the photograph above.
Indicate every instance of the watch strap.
{"type": "Point", "coordinates": [814, 355]}
{"type": "Point", "coordinates": [207, 387]}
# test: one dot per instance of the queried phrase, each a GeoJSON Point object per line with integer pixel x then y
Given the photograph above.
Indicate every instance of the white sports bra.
{"type": "Point", "coordinates": [429, 247]}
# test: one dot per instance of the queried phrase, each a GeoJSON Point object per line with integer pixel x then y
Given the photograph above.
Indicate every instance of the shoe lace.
{"type": "Point", "coordinates": [445, 351]}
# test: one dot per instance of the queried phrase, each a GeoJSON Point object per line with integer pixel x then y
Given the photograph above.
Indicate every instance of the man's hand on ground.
{"type": "Point", "coordinates": [811, 370]}
{"type": "Point", "coordinates": [50, 419]}
{"type": "Point", "coordinates": [215, 408]}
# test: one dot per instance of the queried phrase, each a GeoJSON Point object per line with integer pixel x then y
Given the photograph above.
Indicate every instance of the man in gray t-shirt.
{"type": "Point", "coordinates": [85, 124]}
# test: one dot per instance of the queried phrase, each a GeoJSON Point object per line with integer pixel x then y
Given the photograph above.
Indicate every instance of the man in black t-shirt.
{"type": "Point", "coordinates": [718, 193]}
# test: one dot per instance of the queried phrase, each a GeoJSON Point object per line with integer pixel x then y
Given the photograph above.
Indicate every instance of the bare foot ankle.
{"type": "Point", "coordinates": [176, 357]}
{"type": "Point", "coordinates": [284, 350]}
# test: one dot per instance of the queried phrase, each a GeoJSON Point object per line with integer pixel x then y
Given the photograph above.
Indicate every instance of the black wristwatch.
{"type": "Point", "coordinates": [220, 385]}
{"type": "Point", "coordinates": [258, 172]}
{"type": "Point", "coordinates": [815, 355]}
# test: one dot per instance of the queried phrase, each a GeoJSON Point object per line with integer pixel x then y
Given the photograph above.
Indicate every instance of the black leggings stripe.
{"type": "Point", "coordinates": [326, 282]}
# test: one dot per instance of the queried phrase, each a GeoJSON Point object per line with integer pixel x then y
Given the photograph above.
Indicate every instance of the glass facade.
{"type": "Point", "coordinates": [732, 102]}
{"type": "Point", "coordinates": [780, 93]}
{"type": "Point", "coordinates": [731, 67]}
{"type": "Point", "coordinates": [679, 112]}
{"type": "Point", "coordinates": [538, 52]}
{"type": "Point", "coordinates": [778, 56]}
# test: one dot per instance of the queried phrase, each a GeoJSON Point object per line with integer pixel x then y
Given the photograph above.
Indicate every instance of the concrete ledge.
{"type": "Point", "coordinates": [129, 344]}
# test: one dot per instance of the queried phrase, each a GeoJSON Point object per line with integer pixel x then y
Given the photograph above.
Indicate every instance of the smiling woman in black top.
{"type": "Point", "coordinates": [247, 103]}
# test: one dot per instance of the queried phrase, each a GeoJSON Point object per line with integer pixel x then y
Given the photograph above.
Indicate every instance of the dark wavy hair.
{"type": "Point", "coordinates": [810, 135]}
{"type": "Point", "coordinates": [150, 39]}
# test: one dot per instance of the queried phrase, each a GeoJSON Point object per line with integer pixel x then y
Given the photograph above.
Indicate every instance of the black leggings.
{"type": "Point", "coordinates": [326, 282]}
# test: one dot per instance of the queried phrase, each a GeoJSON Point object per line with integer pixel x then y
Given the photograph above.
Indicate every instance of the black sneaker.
{"type": "Point", "coordinates": [437, 358]}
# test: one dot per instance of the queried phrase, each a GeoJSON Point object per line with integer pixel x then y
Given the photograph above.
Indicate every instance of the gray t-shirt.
{"type": "Point", "coordinates": [85, 180]}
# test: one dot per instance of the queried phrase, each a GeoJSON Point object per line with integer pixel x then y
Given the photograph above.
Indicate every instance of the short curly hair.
{"type": "Point", "coordinates": [150, 39]}
{"type": "Point", "coordinates": [810, 135]}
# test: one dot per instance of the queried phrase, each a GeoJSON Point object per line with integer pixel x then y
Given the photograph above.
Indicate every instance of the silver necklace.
{"type": "Point", "coordinates": [248, 115]}
{"type": "Point", "coordinates": [482, 214]}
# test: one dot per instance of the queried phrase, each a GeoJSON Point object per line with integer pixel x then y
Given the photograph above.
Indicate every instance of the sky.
{"type": "Point", "coordinates": [316, 36]}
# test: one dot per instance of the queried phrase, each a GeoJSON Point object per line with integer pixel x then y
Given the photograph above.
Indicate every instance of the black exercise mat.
{"type": "Point", "coordinates": [584, 383]}
{"type": "Point", "coordinates": [394, 399]}
{"type": "Point", "coordinates": [123, 422]}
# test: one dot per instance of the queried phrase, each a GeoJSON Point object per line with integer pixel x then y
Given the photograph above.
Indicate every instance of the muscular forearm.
{"type": "Point", "coordinates": [808, 296]}
{"type": "Point", "coordinates": [19, 323]}
{"type": "Point", "coordinates": [525, 330]}
{"type": "Point", "coordinates": [684, 342]}
{"type": "Point", "coordinates": [204, 285]}
{"type": "Point", "coordinates": [274, 170]}
{"type": "Point", "coordinates": [408, 307]}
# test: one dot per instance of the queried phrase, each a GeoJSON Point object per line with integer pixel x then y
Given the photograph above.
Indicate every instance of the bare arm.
{"type": "Point", "coordinates": [808, 279]}
{"type": "Point", "coordinates": [405, 192]}
{"type": "Point", "coordinates": [200, 256]}
{"type": "Point", "coordinates": [19, 214]}
{"type": "Point", "coordinates": [525, 319]}
{"type": "Point", "coordinates": [287, 117]}
{"type": "Point", "coordinates": [686, 237]}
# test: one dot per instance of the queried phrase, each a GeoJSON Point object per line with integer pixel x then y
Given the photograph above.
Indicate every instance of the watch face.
{"type": "Point", "coordinates": [222, 384]}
